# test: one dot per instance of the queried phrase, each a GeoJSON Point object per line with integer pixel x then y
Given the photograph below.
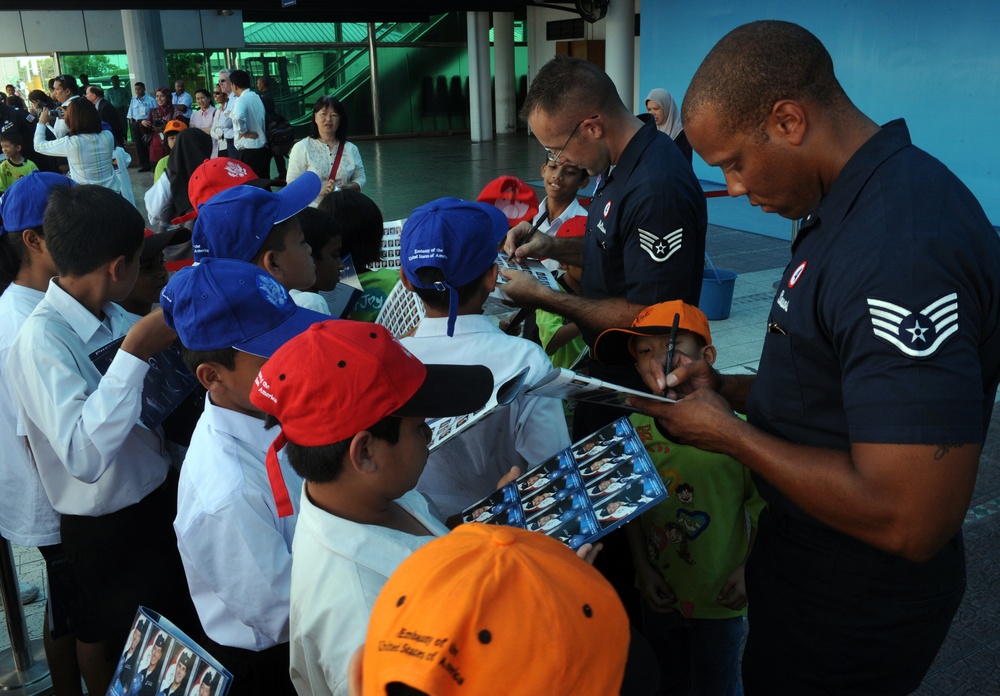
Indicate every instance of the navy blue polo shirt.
{"type": "Point", "coordinates": [646, 226]}
{"type": "Point", "coordinates": [886, 324]}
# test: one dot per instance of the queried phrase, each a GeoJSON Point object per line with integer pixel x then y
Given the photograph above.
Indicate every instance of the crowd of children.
{"type": "Point", "coordinates": [267, 516]}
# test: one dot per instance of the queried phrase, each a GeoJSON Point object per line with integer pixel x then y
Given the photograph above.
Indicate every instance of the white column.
{"type": "Point", "coordinates": [619, 50]}
{"type": "Point", "coordinates": [147, 59]}
{"type": "Point", "coordinates": [503, 70]}
{"type": "Point", "coordinates": [480, 94]}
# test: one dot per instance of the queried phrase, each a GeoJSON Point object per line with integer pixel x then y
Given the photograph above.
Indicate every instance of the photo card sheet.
{"type": "Point", "coordinates": [160, 658]}
{"type": "Point", "coordinates": [581, 493]}
{"type": "Point", "coordinates": [443, 429]}
{"type": "Point", "coordinates": [573, 386]}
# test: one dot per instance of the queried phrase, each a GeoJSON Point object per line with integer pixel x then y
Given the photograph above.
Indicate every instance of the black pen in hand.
{"type": "Point", "coordinates": [672, 344]}
{"type": "Point", "coordinates": [534, 228]}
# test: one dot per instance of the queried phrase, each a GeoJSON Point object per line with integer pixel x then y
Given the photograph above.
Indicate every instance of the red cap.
{"type": "Point", "coordinates": [574, 227]}
{"type": "Point", "coordinates": [513, 197]}
{"type": "Point", "coordinates": [338, 378]}
{"type": "Point", "coordinates": [211, 177]}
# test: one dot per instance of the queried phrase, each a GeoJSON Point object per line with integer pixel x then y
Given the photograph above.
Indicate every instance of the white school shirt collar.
{"type": "Point", "coordinates": [79, 318]}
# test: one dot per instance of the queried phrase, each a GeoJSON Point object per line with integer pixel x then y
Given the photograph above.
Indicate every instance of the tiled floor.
{"type": "Point", "coordinates": [403, 174]}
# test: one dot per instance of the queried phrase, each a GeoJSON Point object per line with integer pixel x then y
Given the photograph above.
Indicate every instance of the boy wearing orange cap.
{"type": "Point", "coordinates": [563, 632]}
{"type": "Point", "coordinates": [351, 403]}
{"type": "Point", "coordinates": [690, 550]}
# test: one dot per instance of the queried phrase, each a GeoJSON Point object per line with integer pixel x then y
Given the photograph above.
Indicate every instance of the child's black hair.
{"type": "Point", "coordinates": [319, 228]}
{"type": "Point", "coordinates": [12, 136]}
{"type": "Point", "coordinates": [439, 299]}
{"type": "Point", "coordinates": [87, 226]}
{"type": "Point", "coordinates": [324, 463]}
{"type": "Point", "coordinates": [226, 357]}
{"type": "Point", "coordinates": [401, 689]}
{"type": "Point", "coordinates": [275, 241]}
{"type": "Point", "coordinates": [361, 225]}
{"type": "Point", "coordinates": [12, 257]}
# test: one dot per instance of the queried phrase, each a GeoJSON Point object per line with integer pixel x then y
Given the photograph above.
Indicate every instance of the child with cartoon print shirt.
{"type": "Point", "coordinates": [689, 550]}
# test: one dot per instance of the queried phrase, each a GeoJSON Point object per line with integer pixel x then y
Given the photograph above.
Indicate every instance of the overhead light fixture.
{"type": "Point", "coordinates": [225, 13]}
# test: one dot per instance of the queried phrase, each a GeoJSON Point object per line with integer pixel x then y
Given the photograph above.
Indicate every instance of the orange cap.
{"type": "Point", "coordinates": [175, 126]}
{"type": "Point", "coordinates": [616, 345]}
{"type": "Point", "coordinates": [490, 609]}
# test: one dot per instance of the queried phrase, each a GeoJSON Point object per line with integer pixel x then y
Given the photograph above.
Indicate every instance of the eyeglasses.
{"type": "Point", "coordinates": [554, 158]}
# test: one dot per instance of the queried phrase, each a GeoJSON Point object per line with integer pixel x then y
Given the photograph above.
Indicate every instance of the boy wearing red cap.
{"type": "Point", "coordinates": [351, 403]}
{"type": "Point", "coordinates": [690, 550]}
{"type": "Point", "coordinates": [448, 253]}
{"type": "Point", "coordinates": [233, 533]}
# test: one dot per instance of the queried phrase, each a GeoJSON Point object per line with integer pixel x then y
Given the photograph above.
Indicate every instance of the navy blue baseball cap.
{"type": "Point", "coordinates": [221, 303]}
{"type": "Point", "coordinates": [23, 204]}
{"type": "Point", "coordinates": [234, 224]}
{"type": "Point", "coordinates": [458, 237]}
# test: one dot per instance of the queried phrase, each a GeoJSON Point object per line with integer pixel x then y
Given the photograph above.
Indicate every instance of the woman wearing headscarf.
{"type": "Point", "coordinates": [159, 116]}
{"type": "Point", "coordinates": [168, 197]}
{"type": "Point", "coordinates": [664, 109]}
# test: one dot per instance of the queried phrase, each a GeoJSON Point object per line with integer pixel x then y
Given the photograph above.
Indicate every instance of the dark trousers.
{"type": "Point", "coordinates": [126, 559]}
{"type": "Point", "coordinates": [140, 147]}
{"type": "Point", "coordinates": [831, 615]}
{"type": "Point", "coordinates": [259, 160]}
{"type": "Point", "coordinates": [263, 673]}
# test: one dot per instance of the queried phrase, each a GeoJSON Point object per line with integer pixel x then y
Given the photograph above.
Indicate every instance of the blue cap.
{"type": "Point", "coordinates": [234, 224]}
{"type": "Point", "coordinates": [458, 237]}
{"type": "Point", "coordinates": [23, 204]}
{"type": "Point", "coordinates": [220, 303]}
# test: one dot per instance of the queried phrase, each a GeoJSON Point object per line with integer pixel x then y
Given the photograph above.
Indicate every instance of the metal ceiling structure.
{"type": "Point", "coordinates": [297, 10]}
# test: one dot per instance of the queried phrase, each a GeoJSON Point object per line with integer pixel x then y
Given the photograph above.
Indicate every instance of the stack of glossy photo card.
{"type": "Point", "coordinates": [581, 493]}
{"type": "Point", "coordinates": [159, 658]}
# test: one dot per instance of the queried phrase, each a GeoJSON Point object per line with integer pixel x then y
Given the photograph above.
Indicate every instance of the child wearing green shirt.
{"type": "Point", "coordinates": [689, 550]}
{"type": "Point", "coordinates": [15, 166]}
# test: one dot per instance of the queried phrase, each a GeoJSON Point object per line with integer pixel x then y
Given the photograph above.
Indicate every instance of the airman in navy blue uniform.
{"type": "Point", "coordinates": [878, 376]}
{"type": "Point", "coordinates": [645, 240]}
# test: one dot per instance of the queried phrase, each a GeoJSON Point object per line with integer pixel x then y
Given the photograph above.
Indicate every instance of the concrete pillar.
{"type": "Point", "coordinates": [619, 50]}
{"type": "Point", "coordinates": [147, 59]}
{"type": "Point", "coordinates": [503, 70]}
{"type": "Point", "coordinates": [480, 94]}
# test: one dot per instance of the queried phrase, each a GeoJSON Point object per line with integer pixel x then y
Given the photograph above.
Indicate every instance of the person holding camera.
{"type": "Point", "coordinates": [88, 148]}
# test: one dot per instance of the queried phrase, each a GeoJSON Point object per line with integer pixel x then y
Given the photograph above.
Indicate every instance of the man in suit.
{"type": "Point", "coordinates": [107, 112]}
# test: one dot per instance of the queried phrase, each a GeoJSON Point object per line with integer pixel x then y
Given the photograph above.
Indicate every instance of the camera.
{"type": "Point", "coordinates": [57, 113]}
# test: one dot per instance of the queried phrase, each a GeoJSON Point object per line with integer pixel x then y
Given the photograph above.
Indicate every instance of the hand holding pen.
{"type": "Point", "coordinates": [672, 344]}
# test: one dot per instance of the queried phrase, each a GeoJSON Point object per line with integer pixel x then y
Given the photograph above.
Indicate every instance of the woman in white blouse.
{"type": "Point", "coordinates": [318, 152]}
{"type": "Point", "coordinates": [205, 115]}
{"type": "Point", "coordinates": [222, 126]}
{"type": "Point", "coordinates": [88, 149]}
